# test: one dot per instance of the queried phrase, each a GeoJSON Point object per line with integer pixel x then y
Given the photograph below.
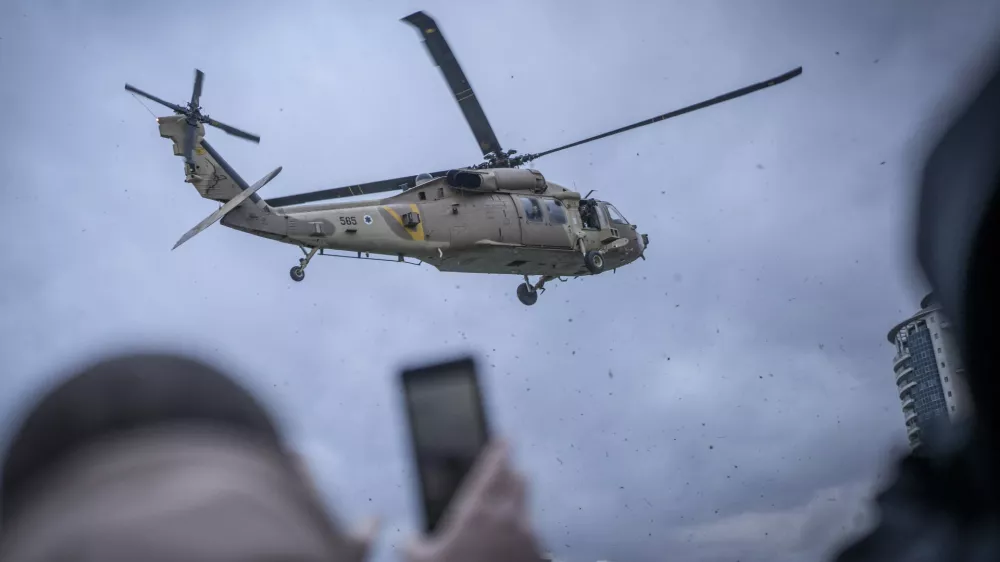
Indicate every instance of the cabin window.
{"type": "Point", "coordinates": [440, 193]}
{"type": "Point", "coordinates": [532, 209]}
{"type": "Point", "coordinates": [421, 195]}
{"type": "Point", "coordinates": [556, 210]}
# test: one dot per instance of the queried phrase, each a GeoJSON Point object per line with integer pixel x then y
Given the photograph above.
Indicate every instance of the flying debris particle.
{"type": "Point", "coordinates": [760, 166]}
{"type": "Point", "coordinates": [711, 446]}
{"type": "Point", "coordinates": [663, 193]}
{"type": "Point", "coordinates": [560, 460]}
{"type": "Point", "coordinates": [882, 163]}
{"type": "Point", "coordinates": [876, 61]}
{"type": "Point", "coordinates": [610, 374]}
{"type": "Point", "coordinates": [821, 346]}
{"type": "Point", "coordinates": [837, 53]}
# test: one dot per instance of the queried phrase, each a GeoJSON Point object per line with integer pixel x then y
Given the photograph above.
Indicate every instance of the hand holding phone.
{"type": "Point", "coordinates": [488, 521]}
{"type": "Point", "coordinates": [474, 501]}
{"type": "Point", "coordinates": [447, 429]}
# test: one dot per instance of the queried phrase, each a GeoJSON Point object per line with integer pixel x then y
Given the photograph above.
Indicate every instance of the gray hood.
{"type": "Point", "coordinates": [179, 493]}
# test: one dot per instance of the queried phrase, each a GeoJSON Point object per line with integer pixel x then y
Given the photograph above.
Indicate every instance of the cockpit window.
{"type": "Point", "coordinates": [616, 217]}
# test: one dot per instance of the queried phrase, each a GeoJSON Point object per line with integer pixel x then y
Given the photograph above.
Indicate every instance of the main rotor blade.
{"type": "Point", "coordinates": [199, 77]}
{"type": "Point", "coordinates": [395, 184]}
{"type": "Point", "coordinates": [135, 90]}
{"type": "Point", "coordinates": [234, 131]}
{"type": "Point", "coordinates": [459, 84]}
{"type": "Point", "coordinates": [716, 100]}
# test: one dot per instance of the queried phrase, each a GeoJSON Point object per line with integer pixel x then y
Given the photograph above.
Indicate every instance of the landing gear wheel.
{"type": "Point", "coordinates": [594, 261]}
{"type": "Point", "coordinates": [527, 294]}
{"type": "Point", "coordinates": [297, 273]}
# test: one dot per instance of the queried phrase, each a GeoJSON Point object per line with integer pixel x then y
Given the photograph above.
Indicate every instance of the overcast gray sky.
{"type": "Point", "coordinates": [751, 406]}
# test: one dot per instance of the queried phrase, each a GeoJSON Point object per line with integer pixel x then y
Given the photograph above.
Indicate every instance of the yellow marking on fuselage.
{"type": "Point", "coordinates": [416, 233]}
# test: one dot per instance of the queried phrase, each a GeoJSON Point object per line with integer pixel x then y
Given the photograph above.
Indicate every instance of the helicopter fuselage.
{"type": "Point", "coordinates": [504, 221]}
{"type": "Point", "coordinates": [461, 230]}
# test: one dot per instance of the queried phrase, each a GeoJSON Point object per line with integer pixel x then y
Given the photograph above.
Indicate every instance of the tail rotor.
{"type": "Point", "coordinates": [194, 116]}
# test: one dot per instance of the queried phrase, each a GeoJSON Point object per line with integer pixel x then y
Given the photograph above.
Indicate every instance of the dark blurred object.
{"type": "Point", "coordinates": [120, 395]}
{"type": "Point", "coordinates": [945, 502]}
{"type": "Point", "coordinates": [448, 430]}
{"type": "Point", "coordinates": [159, 458]}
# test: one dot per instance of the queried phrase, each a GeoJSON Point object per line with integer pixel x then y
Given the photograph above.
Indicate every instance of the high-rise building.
{"type": "Point", "coordinates": [928, 369]}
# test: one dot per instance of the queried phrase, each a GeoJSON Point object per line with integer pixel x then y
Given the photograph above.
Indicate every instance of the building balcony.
{"type": "Point", "coordinates": [906, 387]}
{"type": "Point", "coordinates": [903, 373]}
{"type": "Point", "coordinates": [899, 360]}
{"type": "Point", "coordinates": [913, 432]}
{"type": "Point", "coordinates": [910, 416]}
{"type": "Point", "coordinates": [908, 403]}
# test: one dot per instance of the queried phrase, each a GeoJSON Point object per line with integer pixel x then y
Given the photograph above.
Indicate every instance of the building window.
{"type": "Point", "coordinates": [935, 335]}
{"type": "Point", "coordinates": [949, 393]}
{"type": "Point", "coordinates": [942, 364]}
{"type": "Point", "coordinates": [946, 379]}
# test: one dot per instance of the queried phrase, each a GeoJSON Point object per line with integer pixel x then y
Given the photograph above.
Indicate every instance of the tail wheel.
{"type": "Point", "coordinates": [527, 294]}
{"type": "Point", "coordinates": [594, 261]}
{"type": "Point", "coordinates": [297, 273]}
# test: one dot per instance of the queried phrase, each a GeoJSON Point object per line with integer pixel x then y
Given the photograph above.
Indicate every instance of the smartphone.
{"type": "Point", "coordinates": [448, 429]}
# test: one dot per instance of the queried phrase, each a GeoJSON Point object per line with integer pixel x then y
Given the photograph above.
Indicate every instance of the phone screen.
{"type": "Point", "coordinates": [448, 430]}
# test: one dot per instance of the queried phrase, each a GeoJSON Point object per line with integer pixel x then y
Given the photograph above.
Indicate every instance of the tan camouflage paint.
{"type": "Point", "coordinates": [458, 230]}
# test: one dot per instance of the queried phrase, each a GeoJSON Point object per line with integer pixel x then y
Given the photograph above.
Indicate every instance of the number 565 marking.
{"type": "Point", "coordinates": [348, 221]}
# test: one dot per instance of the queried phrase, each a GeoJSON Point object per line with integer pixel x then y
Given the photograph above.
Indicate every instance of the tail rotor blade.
{"type": "Point", "coordinates": [135, 90]}
{"type": "Point", "coordinates": [199, 78]}
{"type": "Point", "coordinates": [234, 131]}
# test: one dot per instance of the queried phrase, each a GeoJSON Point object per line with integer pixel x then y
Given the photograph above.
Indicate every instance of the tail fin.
{"type": "Point", "coordinates": [212, 176]}
{"type": "Point", "coordinates": [215, 179]}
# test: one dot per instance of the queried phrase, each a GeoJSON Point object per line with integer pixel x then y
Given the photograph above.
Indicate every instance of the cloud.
{"type": "Point", "coordinates": [678, 408]}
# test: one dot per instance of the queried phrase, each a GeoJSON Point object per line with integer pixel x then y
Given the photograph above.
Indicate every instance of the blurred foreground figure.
{"type": "Point", "coordinates": [945, 502]}
{"type": "Point", "coordinates": [157, 458]}
{"type": "Point", "coordinates": [160, 458]}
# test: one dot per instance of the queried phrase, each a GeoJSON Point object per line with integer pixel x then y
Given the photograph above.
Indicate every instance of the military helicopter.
{"type": "Point", "coordinates": [491, 217]}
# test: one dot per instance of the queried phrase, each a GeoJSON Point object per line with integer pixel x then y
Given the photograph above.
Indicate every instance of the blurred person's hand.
{"type": "Point", "coordinates": [488, 519]}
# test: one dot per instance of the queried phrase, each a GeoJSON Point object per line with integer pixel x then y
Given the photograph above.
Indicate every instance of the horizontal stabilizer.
{"type": "Point", "coordinates": [225, 209]}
